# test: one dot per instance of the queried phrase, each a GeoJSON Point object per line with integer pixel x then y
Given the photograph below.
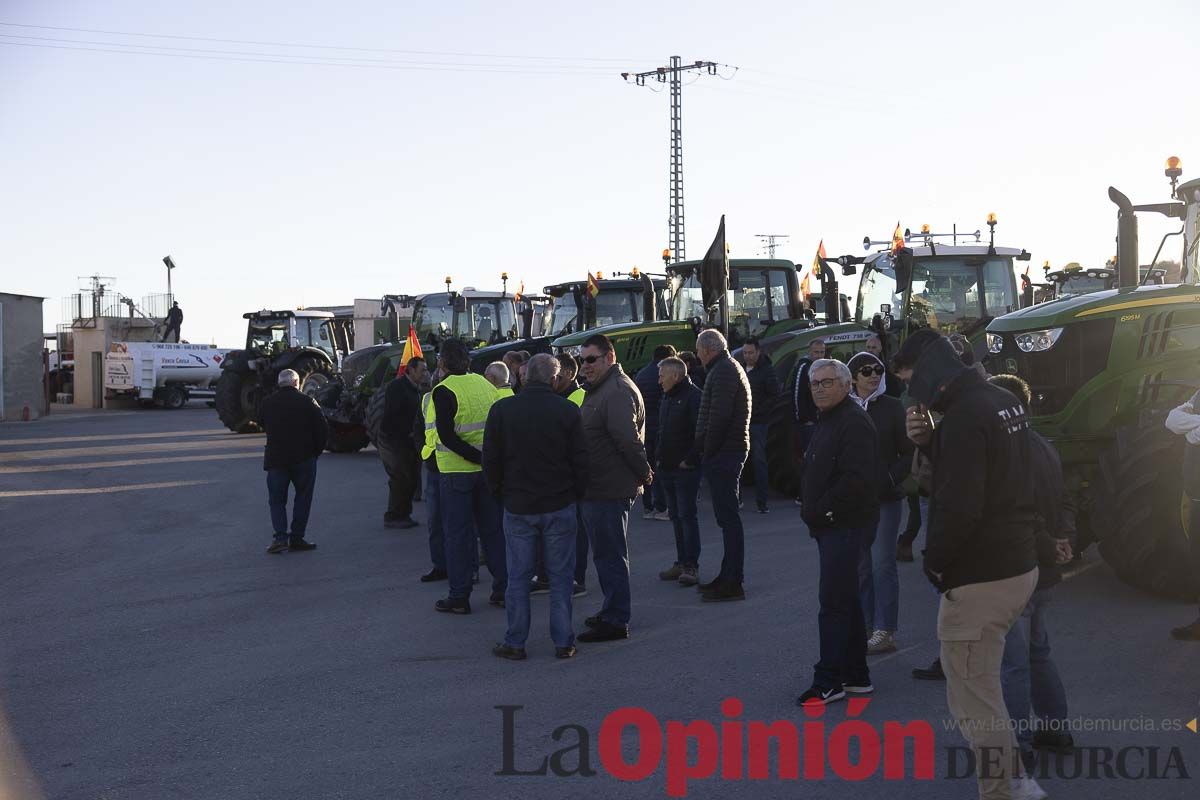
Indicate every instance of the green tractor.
{"type": "Point", "coordinates": [953, 288]}
{"type": "Point", "coordinates": [312, 343]}
{"type": "Point", "coordinates": [570, 309]}
{"type": "Point", "coordinates": [346, 400]}
{"type": "Point", "coordinates": [1105, 368]}
{"type": "Point", "coordinates": [763, 300]}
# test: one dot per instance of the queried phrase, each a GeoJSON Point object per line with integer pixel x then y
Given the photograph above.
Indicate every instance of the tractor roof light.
{"type": "Point", "coordinates": [1174, 167]}
{"type": "Point", "coordinates": [991, 219]}
{"type": "Point", "coordinates": [635, 273]}
{"type": "Point", "coordinates": [925, 228]}
{"type": "Point", "coordinates": [448, 281]}
{"type": "Point", "coordinates": [666, 255]}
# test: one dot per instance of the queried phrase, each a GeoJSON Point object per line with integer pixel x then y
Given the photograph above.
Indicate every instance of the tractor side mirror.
{"type": "Point", "coordinates": [849, 269]}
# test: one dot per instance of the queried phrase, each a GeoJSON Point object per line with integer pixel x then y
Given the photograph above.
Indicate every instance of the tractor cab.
{"type": "Point", "coordinates": [479, 318]}
{"type": "Point", "coordinates": [635, 298]}
{"type": "Point", "coordinates": [272, 333]}
{"type": "Point", "coordinates": [763, 298]}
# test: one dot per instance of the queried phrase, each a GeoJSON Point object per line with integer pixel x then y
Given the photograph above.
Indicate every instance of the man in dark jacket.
{"type": "Point", "coordinates": [764, 388]}
{"type": "Point", "coordinates": [840, 506]}
{"type": "Point", "coordinates": [174, 321]}
{"type": "Point", "coordinates": [1029, 675]}
{"type": "Point", "coordinates": [296, 431]}
{"type": "Point", "coordinates": [723, 439]}
{"type": "Point", "coordinates": [654, 501]}
{"type": "Point", "coordinates": [536, 462]}
{"type": "Point", "coordinates": [980, 550]}
{"type": "Point", "coordinates": [677, 466]}
{"type": "Point", "coordinates": [397, 449]}
{"type": "Point", "coordinates": [614, 421]}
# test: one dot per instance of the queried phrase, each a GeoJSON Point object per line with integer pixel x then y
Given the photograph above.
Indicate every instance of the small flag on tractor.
{"type": "Point", "coordinates": [412, 349]}
{"type": "Point", "coordinates": [817, 267]}
{"type": "Point", "coordinates": [520, 292]}
{"type": "Point", "coordinates": [897, 238]}
{"type": "Point", "coordinates": [593, 288]}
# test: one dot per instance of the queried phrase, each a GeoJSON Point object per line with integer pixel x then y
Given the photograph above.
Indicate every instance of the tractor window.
{"type": "Point", "coordinates": [565, 317]}
{"type": "Point", "coordinates": [999, 287]}
{"type": "Point", "coordinates": [434, 317]}
{"type": "Point", "coordinates": [759, 299]}
{"type": "Point", "coordinates": [487, 321]}
{"type": "Point", "coordinates": [946, 292]}
{"type": "Point", "coordinates": [613, 308]}
{"type": "Point", "coordinates": [267, 334]}
{"type": "Point", "coordinates": [322, 336]}
{"type": "Point", "coordinates": [688, 300]}
{"type": "Point", "coordinates": [781, 295]}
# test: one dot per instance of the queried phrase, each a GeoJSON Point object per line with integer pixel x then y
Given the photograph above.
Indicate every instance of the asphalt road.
{"type": "Point", "coordinates": [149, 648]}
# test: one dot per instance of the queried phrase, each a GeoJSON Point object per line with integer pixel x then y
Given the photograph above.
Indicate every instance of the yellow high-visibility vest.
{"type": "Point", "coordinates": [428, 413]}
{"type": "Point", "coordinates": [503, 392]}
{"type": "Point", "coordinates": [475, 396]}
{"type": "Point", "coordinates": [577, 396]}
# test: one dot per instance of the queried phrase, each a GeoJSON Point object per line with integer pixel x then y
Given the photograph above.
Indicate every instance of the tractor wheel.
{"type": "Point", "coordinates": [346, 438]}
{"type": "Point", "coordinates": [315, 375]}
{"type": "Point", "coordinates": [781, 457]}
{"type": "Point", "coordinates": [1138, 515]}
{"type": "Point", "coordinates": [174, 398]}
{"type": "Point", "coordinates": [237, 400]}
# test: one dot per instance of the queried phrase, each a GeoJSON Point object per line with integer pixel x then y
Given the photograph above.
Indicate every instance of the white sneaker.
{"type": "Point", "coordinates": [1027, 788]}
{"type": "Point", "coordinates": [881, 642]}
{"type": "Point", "coordinates": [662, 516]}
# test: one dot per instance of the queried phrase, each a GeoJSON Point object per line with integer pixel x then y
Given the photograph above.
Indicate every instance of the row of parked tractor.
{"type": "Point", "coordinates": [1107, 351]}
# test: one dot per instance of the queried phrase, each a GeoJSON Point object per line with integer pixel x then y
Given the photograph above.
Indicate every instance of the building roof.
{"type": "Point", "coordinates": [18, 294]}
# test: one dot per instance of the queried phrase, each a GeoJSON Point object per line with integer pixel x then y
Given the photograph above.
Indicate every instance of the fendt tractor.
{"type": "Point", "coordinates": [763, 300]}
{"type": "Point", "coordinates": [310, 342]}
{"type": "Point", "coordinates": [1105, 368]}
{"type": "Point", "coordinates": [572, 309]}
{"type": "Point", "coordinates": [953, 288]}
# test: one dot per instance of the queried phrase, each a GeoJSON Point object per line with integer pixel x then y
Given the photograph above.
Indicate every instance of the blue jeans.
{"type": "Point", "coordinates": [433, 518]}
{"type": "Point", "coordinates": [471, 514]}
{"type": "Point", "coordinates": [555, 532]}
{"type": "Point", "coordinates": [723, 471]}
{"type": "Point", "coordinates": [681, 487]}
{"type": "Point", "coordinates": [607, 525]}
{"type": "Point", "coordinates": [758, 457]}
{"type": "Point", "coordinates": [878, 579]}
{"type": "Point", "coordinates": [304, 477]}
{"type": "Point", "coordinates": [1028, 674]}
{"type": "Point", "coordinates": [840, 620]}
{"type": "Point", "coordinates": [581, 547]}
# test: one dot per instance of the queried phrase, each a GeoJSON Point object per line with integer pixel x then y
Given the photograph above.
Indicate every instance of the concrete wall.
{"type": "Point", "coordinates": [367, 321]}
{"type": "Point", "coordinates": [21, 351]}
{"type": "Point", "coordinates": [99, 339]}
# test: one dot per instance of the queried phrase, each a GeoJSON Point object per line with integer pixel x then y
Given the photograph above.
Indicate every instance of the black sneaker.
{"type": "Point", "coordinates": [604, 632]}
{"type": "Point", "coordinates": [594, 622]}
{"type": "Point", "coordinates": [497, 599]}
{"type": "Point", "coordinates": [578, 590]}
{"type": "Point", "coordinates": [278, 546]}
{"type": "Point", "coordinates": [565, 652]}
{"type": "Point", "coordinates": [933, 673]}
{"type": "Point", "coordinates": [1054, 741]}
{"type": "Point", "coordinates": [297, 544]}
{"type": "Point", "coordinates": [452, 605]}
{"type": "Point", "coordinates": [539, 586]}
{"type": "Point", "coordinates": [858, 687]}
{"type": "Point", "coordinates": [434, 575]}
{"type": "Point", "coordinates": [401, 523]}
{"type": "Point", "coordinates": [723, 593]}
{"type": "Point", "coordinates": [821, 696]}
{"type": "Point", "coordinates": [509, 652]}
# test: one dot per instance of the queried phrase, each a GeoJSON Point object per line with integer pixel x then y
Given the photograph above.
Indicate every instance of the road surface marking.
{"type": "Point", "coordinates": [102, 436]}
{"type": "Point", "coordinates": [132, 449]}
{"type": "Point", "coordinates": [133, 487]}
{"type": "Point", "coordinates": [132, 462]}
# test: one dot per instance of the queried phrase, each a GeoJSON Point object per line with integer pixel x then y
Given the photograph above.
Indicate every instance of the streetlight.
{"type": "Point", "coordinates": [170, 266]}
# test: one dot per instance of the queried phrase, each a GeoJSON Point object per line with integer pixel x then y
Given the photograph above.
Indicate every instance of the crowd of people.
{"type": "Point", "coordinates": [540, 461]}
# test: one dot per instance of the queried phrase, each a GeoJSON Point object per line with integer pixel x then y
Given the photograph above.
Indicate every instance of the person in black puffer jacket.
{"type": "Point", "coordinates": [878, 579]}
{"type": "Point", "coordinates": [678, 467]}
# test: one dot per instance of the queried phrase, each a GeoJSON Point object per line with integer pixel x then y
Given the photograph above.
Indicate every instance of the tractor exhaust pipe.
{"type": "Point", "coordinates": [1128, 274]}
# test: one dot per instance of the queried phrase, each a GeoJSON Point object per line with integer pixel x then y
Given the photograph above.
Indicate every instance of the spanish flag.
{"type": "Point", "coordinates": [412, 349]}
{"type": "Point", "coordinates": [520, 292]}
{"type": "Point", "coordinates": [805, 285]}
{"type": "Point", "coordinates": [593, 288]}
{"type": "Point", "coordinates": [897, 238]}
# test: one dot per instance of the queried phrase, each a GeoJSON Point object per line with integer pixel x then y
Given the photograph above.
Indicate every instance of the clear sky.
{"type": "Point", "coordinates": [287, 184]}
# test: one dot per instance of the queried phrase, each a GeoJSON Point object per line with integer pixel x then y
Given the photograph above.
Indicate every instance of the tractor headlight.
{"type": "Point", "coordinates": [1037, 341]}
{"type": "Point", "coordinates": [995, 343]}
{"type": "Point", "coordinates": [575, 351]}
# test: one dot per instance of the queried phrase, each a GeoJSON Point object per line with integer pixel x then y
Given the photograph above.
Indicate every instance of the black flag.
{"type": "Point", "coordinates": [714, 270]}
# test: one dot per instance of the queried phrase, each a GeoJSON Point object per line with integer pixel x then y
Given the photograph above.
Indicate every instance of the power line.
{"type": "Point", "coordinates": [312, 46]}
{"type": "Point", "coordinates": [676, 240]}
{"type": "Point", "coordinates": [498, 69]}
{"type": "Point", "coordinates": [771, 241]}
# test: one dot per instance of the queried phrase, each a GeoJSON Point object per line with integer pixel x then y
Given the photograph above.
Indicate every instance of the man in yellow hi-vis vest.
{"type": "Point", "coordinates": [461, 403]}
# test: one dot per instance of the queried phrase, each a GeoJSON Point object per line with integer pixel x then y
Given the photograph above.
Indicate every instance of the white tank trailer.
{"type": "Point", "coordinates": [165, 373]}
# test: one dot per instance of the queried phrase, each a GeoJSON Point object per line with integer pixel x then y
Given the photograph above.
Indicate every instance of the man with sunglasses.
{"type": "Point", "coordinates": [614, 425]}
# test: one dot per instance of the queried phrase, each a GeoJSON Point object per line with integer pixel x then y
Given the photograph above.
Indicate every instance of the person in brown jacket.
{"type": "Point", "coordinates": [614, 425]}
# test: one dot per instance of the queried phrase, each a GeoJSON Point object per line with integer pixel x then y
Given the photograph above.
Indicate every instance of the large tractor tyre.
{"type": "Point", "coordinates": [1139, 512]}
{"type": "Point", "coordinates": [315, 375]}
{"type": "Point", "coordinates": [781, 456]}
{"type": "Point", "coordinates": [345, 438]}
{"type": "Point", "coordinates": [237, 400]}
{"type": "Point", "coordinates": [373, 419]}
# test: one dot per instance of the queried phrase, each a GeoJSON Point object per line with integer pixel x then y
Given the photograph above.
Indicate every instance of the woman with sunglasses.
{"type": "Point", "coordinates": [878, 579]}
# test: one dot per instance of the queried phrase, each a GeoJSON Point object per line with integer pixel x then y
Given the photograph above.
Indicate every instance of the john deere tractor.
{"type": "Point", "coordinates": [572, 309]}
{"type": "Point", "coordinates": [763, 299]}
{"type": "Point", "coordinates": [310, 342]}
{"type": "Point", "coordinates": [1105, 368]}
{"type": "Point", "coordinates": [953, 288]}
{"type": "Point", "coordinates": [346, 400]}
